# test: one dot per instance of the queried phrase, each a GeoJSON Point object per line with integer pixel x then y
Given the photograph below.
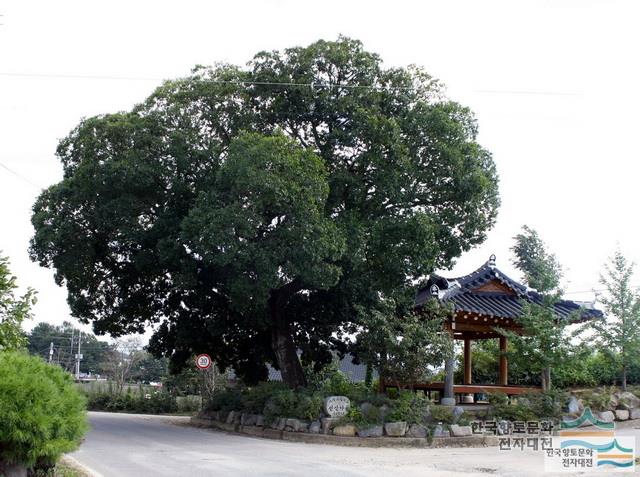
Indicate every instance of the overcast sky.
{"type": "Point", "coordinates": [554, 85]}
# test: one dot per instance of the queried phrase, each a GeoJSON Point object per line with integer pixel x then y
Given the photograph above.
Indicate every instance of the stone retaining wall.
{"type": "Point", "coordinates": [266, 432]}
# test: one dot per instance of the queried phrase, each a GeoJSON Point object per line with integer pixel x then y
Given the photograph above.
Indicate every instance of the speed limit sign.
{"type": "Point", "coordinates": [203, 361]}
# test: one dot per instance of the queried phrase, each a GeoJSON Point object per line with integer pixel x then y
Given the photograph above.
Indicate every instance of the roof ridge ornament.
{"type": "Point", "coordinates": [434, 290]}
{"type": "Point", "coordinates": [492, 260]}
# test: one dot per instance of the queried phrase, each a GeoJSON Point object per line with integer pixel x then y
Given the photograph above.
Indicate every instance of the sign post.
{"type": "Point", "coordinates": [203, 361]}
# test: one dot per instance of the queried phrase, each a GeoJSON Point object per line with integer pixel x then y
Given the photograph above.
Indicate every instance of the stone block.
{"type": "Point", "coordinates": [628, 401]}
{"type": "Point", "coordinates": [296, 425]}
{"type": "Point", "coordinates": [622, 415]}
{"type": "Point", "coordinates": [395, 429]}
{"type": "Point", "coordinates": [371, 431]}
{"type": "Point", "coordinates": [634, 413]}
{"type": "Point", "coordinates": [248, 419]}
{"type": "Point", "coordinates": [315, 427]}
{"type": "Point", "coordinates": [457, 412]}
{"type": "Point", "coordinates": [259, 420]}
{"type": "Point", "coordinates": [233, 417]}
{"type": "Point", "coordinates": [460, 431]}
{"type": "Point", "coordinates": [347, 430]}
{"type": "Point", "coordinates": [575, 406]}
{"type": "Point", "coordinates": [606, 416]}
{"type": "Point", "coordinates": [329, 423]}
{"type": "Point", "coordinates": [417, 430]}
{"type": "Point", "coordinates": [440, 431]}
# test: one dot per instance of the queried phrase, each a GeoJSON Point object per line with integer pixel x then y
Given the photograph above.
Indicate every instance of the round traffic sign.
{"type": "Point", "coordinates": [203, 361]}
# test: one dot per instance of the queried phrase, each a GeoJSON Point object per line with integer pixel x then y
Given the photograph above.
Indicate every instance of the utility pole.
{"type": "Point", "coordinates": [51, 351]}
{"type": "Point", "coordinates": [69, 363]}
{"type": "Point", "coordinates": [78, 356]}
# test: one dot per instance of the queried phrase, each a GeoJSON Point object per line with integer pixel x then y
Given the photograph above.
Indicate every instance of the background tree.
{"type": "Point", "coordinates": [13, 310]}
{"type": "Point", "coordinates": [391, 176]}
{"type": "Point", "coordinates": [544, 342]}
{"type": "Point", "coordinates": [620, 331]}
{"type": "Point", "coordinates": [147, 368]}
{"type": "Point", "coordinates": [124, 358]}
{"type": "Point", "coordinates": [64, 337]}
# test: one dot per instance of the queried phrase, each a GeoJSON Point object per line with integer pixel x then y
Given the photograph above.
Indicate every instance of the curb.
{"type": "Point", "coordinates": [77, 465]}
{"type": "Point", "coordinates": [326, 439]}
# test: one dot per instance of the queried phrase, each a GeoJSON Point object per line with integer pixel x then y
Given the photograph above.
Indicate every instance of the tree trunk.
{"type": "Point", "coordinates": [546, 379]}
{"type": "Point", "coordinates": [624, 378]}
{"type": "Point", "coordinates": [368, 376]}
{"type": "Point", "coordinates": [12, 470]}
{"type": "Point", "coordinates": [283, 346]}
{"type": "Point", "coordinates": [448, 396]}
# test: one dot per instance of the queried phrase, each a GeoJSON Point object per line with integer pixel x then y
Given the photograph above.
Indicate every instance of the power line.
{"type": "Point", "coordinates": [594, 290]}
{"type": "Point", "coordinates": [20, 176]}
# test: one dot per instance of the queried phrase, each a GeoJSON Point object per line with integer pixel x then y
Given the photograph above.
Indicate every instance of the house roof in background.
{"type": "Point", "coordinates": [355, 372]}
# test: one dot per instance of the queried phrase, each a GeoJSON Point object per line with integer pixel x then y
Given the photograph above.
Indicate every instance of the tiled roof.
{"type": "Point", "coordinates": [462, 293]}
{"type": "Point", "coordinates": [355, 372]}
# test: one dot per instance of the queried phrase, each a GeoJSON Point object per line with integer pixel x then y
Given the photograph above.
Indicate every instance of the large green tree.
{"type": "Point", "coordinates": [249, 210]}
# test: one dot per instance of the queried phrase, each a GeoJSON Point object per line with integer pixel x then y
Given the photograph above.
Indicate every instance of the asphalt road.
{"type": "Point", "coordinates": [139, 446]}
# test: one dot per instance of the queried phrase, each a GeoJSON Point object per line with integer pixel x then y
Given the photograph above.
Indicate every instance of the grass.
{"type": "Point", "coordinates": [67, 468]}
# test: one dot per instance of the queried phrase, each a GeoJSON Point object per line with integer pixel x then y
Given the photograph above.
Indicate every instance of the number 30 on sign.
{"type": "Point", "coordinates": [203, 361]}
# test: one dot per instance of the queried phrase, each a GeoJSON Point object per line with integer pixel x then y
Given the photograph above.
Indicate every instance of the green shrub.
{"type": "Point", "coordinates": [282, 404]}
{"type": "Point", "coordinates": [549, 404]}
{"type": "Point", "coordinates": [442, 414]}
{"type": "Point", "coordinates": [225, 400]}
{"type": "Point", "coordinates": [513, 412]}
{"type": "Point", "coordinates": [188, 403]}
{"type": "Point", "coordinates": [330, 381]}
{"type": "Point", "coordinates": [371, 416]}
{"type": "Point", "coordinates": [497, 398]}
{"type": "Point", "coordinates": [597, 399]}
{"type": "Point", "coordinates": [308, 407]}
{"type": "Point", "coordinates": [42, 414]}
{"type": "Point", "coordinates": [149, 403]}
{"type": "Point", "coordinates": [410, 407]}
{"type": "Point", "coordinates": [529, 407]}
{"type": "Point", "coordinates": [255, 398]}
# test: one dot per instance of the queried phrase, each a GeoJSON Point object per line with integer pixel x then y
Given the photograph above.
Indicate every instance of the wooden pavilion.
{"type": "Point", "coordinates": [483, 301]}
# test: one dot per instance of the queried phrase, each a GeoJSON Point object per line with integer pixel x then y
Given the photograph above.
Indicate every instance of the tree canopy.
{"type": "Point", "coordinates": [248, 211]}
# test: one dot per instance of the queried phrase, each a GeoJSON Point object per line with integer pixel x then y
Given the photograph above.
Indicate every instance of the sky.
{"type": "Point", "coordinates": [553, 84]}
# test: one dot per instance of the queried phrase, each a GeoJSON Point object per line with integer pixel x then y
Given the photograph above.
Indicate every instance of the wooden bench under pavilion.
{"type": "Point", "coordinates": [483, 301]}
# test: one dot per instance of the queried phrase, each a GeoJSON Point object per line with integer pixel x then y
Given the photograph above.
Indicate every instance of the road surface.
{"type": "Point", "coordinates": [125, 445]}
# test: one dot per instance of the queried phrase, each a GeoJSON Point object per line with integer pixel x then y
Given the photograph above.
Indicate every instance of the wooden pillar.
{"type": "Point", "coordinates": [467, 361]}
{"type": "Point", "coordinates": [504, 365]}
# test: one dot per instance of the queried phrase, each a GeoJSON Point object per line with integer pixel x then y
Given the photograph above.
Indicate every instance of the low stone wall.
{"type": "Point", "coordinates": [311, 438]}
